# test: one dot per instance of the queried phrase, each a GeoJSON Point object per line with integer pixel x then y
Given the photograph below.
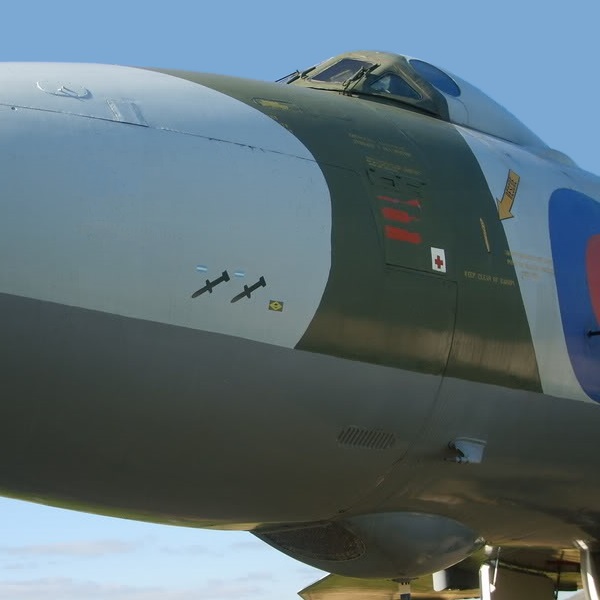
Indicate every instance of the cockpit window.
{"type": "Point", "coordinates": [342, 71]}
{"type": "Point", "coordinates": [436, 77]}
{"type": "Point", "coordinates": [395, 85]}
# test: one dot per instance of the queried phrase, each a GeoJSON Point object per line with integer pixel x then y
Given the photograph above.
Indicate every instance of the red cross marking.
{"type": "Point", "coordinates": [439, 263]}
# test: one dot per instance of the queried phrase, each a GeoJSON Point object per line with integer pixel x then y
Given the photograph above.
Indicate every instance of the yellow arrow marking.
{"type": "Point", "coordinates": [510, 193]}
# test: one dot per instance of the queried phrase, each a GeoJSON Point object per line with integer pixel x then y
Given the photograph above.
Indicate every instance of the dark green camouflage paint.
{"type": "Point", "coordinates": [383, 302]}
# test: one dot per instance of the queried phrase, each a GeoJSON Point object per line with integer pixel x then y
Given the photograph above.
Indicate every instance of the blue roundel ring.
{"type": "Point", "coordinates": [574, 221]}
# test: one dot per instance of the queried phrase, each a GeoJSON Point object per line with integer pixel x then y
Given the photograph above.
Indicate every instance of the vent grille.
{"type": "Point", "coordinates": [372, 439]}
{"type": "Point", "coordinates": [330, 541]}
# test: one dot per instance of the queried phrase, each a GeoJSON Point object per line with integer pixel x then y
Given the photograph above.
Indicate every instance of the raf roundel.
{"type": "Point", "coordinates": [593, 273]}
{"type": "Point", "coordinates": [574, 220]}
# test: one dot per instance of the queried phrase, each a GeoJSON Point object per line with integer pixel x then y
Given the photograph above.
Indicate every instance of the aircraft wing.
{"type": "Point", "coordinates": [336, 587]}
{"type": "Point", "coordinates": [559, 569]}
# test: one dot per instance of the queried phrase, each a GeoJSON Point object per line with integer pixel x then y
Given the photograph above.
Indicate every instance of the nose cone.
{"type": "Point", "coordinates": [126, 190]}
{"type": "Point", "coordinates": [124, 193]}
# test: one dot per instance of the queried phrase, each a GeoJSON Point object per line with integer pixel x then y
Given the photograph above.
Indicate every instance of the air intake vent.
{"type": "Point", "coordinates": [373, 439]}
{"type": "Point", "coordinates": [329, 541]}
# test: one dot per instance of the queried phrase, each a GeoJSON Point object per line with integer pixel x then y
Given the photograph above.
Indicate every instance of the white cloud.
{"type": "Point", "coordinates": [189, 550]}
{"type": "Point", "coordinates": [20, 566]}
{"type": "Point", "coordinates": [251, 544]}
{"type": "Point", "coordinates": [92, 548]}
{"type": "Point", "coordinates": [69, 589]}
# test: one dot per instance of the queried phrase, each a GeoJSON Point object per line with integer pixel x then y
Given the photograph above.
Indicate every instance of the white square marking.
{"type": "Point", "coordinates": [438, 260]}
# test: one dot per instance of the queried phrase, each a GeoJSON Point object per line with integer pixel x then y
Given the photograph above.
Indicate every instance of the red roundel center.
{"type": "Point", "coordinates": [592, 262]}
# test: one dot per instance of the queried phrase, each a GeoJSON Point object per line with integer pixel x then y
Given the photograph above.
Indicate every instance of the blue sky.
{"type": "Point", "coordinates": [536, 58]}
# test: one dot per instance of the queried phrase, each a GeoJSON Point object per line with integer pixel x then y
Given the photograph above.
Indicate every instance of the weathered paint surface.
{"type": "Point", "coordinates": [384, 301]}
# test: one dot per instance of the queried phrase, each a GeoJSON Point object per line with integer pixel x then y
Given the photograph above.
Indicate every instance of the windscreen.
{"type": "Point", "coordinates": [342, 71]}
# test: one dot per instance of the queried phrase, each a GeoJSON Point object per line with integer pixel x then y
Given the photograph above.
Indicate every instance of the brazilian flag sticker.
{"type": "Point", "coordinates": [276, 305]}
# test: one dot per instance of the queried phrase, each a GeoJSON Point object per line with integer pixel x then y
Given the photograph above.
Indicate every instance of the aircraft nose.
{"type": "Point", "coordinates": [125, 190]}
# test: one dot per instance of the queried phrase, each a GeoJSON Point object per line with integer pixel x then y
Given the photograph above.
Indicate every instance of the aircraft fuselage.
{"type": "Point", "coordinates": [228, 303]}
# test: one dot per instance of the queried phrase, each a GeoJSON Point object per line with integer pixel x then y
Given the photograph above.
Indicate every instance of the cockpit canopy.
{"type": "Point", "coordinates": [409, 81]}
